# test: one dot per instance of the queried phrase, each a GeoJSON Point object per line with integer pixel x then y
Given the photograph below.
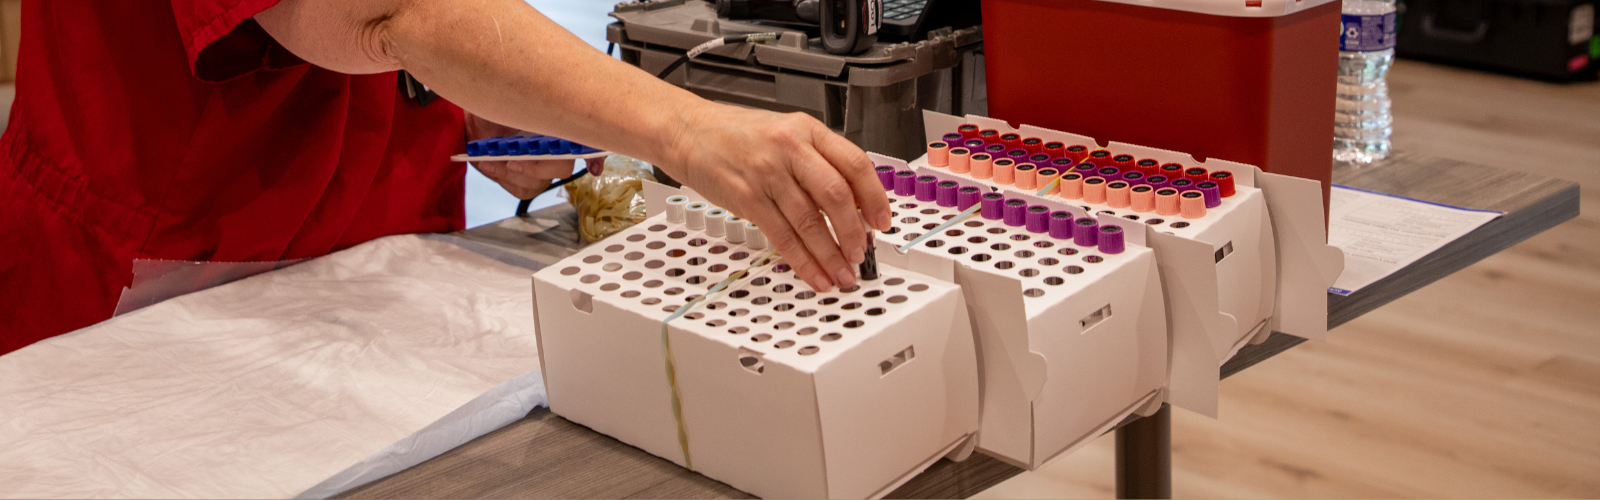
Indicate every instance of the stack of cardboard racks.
{"type": "Point", "coordinates": [685, 336]}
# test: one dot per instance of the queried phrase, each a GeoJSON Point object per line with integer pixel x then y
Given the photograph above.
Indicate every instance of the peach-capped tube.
{"type": "Point", "coordinates": [1142, 198]}
{"type": "Point", "coordinates": [1026, 176]}
{"type": "Point", "coordinates": [1167, 201]}
{"type": "Point", "coordinates": [1094, 190]}
{"type": "Point", "coordinates": [1005, 171]}
{"type": "Point", "coordinates": [1072, 186]}
{"type": "Point", "coordinates": [960, 160]}
{"type": "Point", "coordinates": [938, 154]}
{"type": "Point", "coordinates": [1118, 195]}
{"type": "Point", "coordinates": [982, 166]}
{"type": "Point", "coordinates": [1046, 176]}
{"type": "Point", "coordinates": [1192, 204]}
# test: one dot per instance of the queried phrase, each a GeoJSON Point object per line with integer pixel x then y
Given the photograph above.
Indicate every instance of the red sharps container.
{"type": "Point", "coordinates": [1250, 81]}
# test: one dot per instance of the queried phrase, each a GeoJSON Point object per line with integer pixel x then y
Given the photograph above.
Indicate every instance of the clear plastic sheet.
{"type": "Point", "coordinates": [299, 381]}
{"type": "Point", "coordinates": [612, 201]}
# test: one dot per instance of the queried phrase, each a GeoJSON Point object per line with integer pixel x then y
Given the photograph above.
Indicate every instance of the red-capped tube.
{"type": "Point", "coordinates": [989, 135]}
{"type": "Point", "coordinates": [1100, 157]}
{"type": "Point", "coordinates": [1034, 145]}
{"type": "Point", "coordinates": [1076, 152]}
{"type": "Point", "coordinates": [1172, 171]}
{"type": "Point", "coordinates": [1055, 149]}
{"type": "Point", "coordinates": [968, 130]}
{"type": "Point", "coordinates": [1167, 201]}
{"type": "Point", "coordinates": [1148, 166]}
{"type": "Point", "coordinates": [1012, 140]}
{"type": "Point", "coordinates": [1072, 186]}
{"type": "Point", "coordinates": [1122, 162]}
{"type": "Point", "coordinates": [1005, 171]}
{"type": "Point", "coordinates": [1197, 174]}
{"type": "Point", "coordinates": [960, 160]}
{"type": "Point", "coordinates": [982, 166]}
{"type": "Point", "coordinates": [1026, 177]}
{"type": "Point", "coordinates": [1224, 180]}
{"type": "Point", "coordinates": [1094, 190]}
{"type": "Point", "coordinates": [1118, 195]}
{"type": "Point", "coordinates": [938, 154]}
{"type": "Point", "coordinates": [1192, 204]}
{"type": "Point", "coordinates": [1143, 198]}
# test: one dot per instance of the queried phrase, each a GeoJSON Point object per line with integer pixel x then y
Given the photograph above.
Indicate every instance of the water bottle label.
{"type": "Point", "coordinates": [1364, 33]}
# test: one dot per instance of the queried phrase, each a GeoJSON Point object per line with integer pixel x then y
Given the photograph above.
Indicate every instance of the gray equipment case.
{"type": "Point", "coordinates": [874, 98]}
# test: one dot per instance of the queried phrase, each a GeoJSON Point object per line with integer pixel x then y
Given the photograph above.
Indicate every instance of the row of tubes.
{"type": "Point", "coordinates": [1098, 176]}
{"type": "Point", "coordinates": [1059, 224]}
{"type": "Point", "coordinates": [716, 222]}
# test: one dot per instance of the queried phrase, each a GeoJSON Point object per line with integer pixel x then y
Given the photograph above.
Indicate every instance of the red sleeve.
{"type": "Point", "coordinates": [223, 40]}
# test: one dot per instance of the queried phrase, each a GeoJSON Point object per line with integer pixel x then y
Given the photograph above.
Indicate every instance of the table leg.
{"type": "Point", "coordinates": [1144, 457]}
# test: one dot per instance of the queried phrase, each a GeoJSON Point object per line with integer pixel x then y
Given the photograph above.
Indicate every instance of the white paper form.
{"type": "Point", "coordinates": [1381, 233]}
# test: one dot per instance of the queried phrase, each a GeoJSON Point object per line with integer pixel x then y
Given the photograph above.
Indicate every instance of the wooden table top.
{"type": "Point", "coordinates": [544, 455]}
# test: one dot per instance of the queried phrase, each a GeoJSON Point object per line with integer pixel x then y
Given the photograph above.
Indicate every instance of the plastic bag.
{"type": "Point", "coordinates": [612, 201]}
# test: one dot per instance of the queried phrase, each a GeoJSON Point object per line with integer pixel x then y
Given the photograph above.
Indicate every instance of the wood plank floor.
{"type": "Point", "coordinates": [1485, 384]}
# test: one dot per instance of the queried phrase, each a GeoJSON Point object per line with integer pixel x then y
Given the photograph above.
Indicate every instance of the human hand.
{"type": "Point", "coordinates": [783, 172]}
{"type": "Point", "coordinates": [524, 179]}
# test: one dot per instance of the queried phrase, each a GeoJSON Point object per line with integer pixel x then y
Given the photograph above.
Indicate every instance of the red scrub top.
{"type": "Point", "coordinates": [180, 130]}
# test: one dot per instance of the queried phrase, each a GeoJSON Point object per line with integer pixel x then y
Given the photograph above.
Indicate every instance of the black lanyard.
{"type": "Point", "coordinates": [415, 90]}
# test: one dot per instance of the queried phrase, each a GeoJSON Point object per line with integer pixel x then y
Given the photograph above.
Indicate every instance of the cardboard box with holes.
{"type": "Point", "coordinates": [686, 337]}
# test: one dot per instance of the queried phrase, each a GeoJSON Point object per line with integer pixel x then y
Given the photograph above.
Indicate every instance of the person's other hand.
{"type": "Point", "coordinates": [783, 172]}
{"type": "Point", "coordinates": [524, 179]}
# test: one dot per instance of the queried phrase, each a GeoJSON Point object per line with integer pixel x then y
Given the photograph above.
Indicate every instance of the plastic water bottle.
{"type": "Point", "coordinates": [1362, 122]}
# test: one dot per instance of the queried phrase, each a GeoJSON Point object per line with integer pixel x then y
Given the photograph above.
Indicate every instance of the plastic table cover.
{"type": "Point", "coordinates": [304, 381]}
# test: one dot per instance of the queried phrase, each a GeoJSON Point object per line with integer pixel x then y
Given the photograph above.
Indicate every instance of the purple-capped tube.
{"type": "Point", "coordinates": [1061, 225]}
{"type": "Point", "coordinates": [1085, 232]}
{"type": "Point", "coordinates": [1038, 219]}
{"type": "Point", "coordinates": [967, 196]}
{"type": "Point", "coordinates": [994, 206]}
{"type": "Point", "coordinates": [974, 144]}
{"type": "Point", "coordinates": [905, 183]}
{"type": "Point", "coordinates": [945, 193]}
{"type": "Point", "coordinates": [1111, 173]}
{"type": "Point", "coordinates": [885, 176]}
{"type": "Point", "coordinates": [1039, 159]}
{"type": "Point", "coordinates": [1156, 181]}
{"type": "Point", "coordinates": [1016, 212]}
{"type": "Point", "coordinates": [1111, 239]}
{"type": "Point", "coordinates": [1018, 155]}
{"type": "Point", "coordinates": [1213, 193]}
{"type": "Point", "coordinates": [1181, 184]}
{"type": "Point", "coordinates": [954, 140]}
{"type": "Point", "coordinates": [1063, 164]}
{"type": "Point", "coordinates": [996, 150]}
{"type": "Point", "coordinates": [925, 188]}
{"type": "Point", "coordinates": [1087, 169]}
{"type": "Point", "coordinates": [1134, 177]}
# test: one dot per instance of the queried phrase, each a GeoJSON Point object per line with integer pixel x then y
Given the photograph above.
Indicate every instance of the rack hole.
{"type": "Point", "coordinates": [831, 337]}
{"type": "Point", "coordinates": [808, 350]}
{"type": "Point", "coordinates": [1033, 292]}
{"type": "Point", "coordinates": [806, 331]}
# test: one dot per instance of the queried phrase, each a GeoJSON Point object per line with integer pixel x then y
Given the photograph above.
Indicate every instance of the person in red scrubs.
{"type": "Point", "coordinates": [264, 130]}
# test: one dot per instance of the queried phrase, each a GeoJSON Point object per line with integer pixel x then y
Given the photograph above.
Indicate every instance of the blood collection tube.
{"type": "Point", "coordinates": [1054, 149]}
{"type": "Point", "coordinates": [1117, 194]}
{"type": "Point", "coordinates": [968, 130]}
{"type": "Point", "coordinates": [516, 146]}
{"type": "Point", "coordinates": [1061, 225]}
{"type": "Point", "coordinates": [938, 154]}
{"type": "Point", "coordinates": [967, 196]}
{"type": "Point", "coordinates": [495, 147]}
{"type": "Point", "coordinates": [696, 213]}
{"type": "Point", "coordinates": [1156, 181]}
{"type": "Point", "coordinates": [885, 176]}
{"type": "Point", "coordinates": [675, 208]}
{"type": "Point", "coordinates": [551, 146]}
{"type": "Point", "coordinates": [994, 206]}
{"type": "Point", "coordinates": [1040, 159]}
{"type": "Point", "coordinates": [960, 160]}
{"type": "Point", "coordinates": [533, 145]}
{"type": "Point", "coordinates": [1086, 168]}
{"type": "Point", "coordinates": [1197, 174]}
{"type": "Point", "coordinates": [716, 222]}
{"type": "Point", "coordinates": [1110, 172]}
{"type": "Point", "coordinates": [1062, 165]}
{"type": "Point", "coordinates": [1012, 140]}
{"type": "Point", "coordinates": [945, 193]}
{"type": "Point", "coordinates": [1094, 190]}
{"type": "Point", "coordinates": [1072, 186]}
{"type": "Point", "coordinates": [982, 166]}
{"type": "Point", "coordinates": [1046, 176]}
{"type": "Point", "coordinates": [1111, 239]}
{"type": "Point", "coordinates": [1085, 232]}
{"type": "Point", "coordinates": [1181, 184]}
{"type": "Point", "coordinates": [1192, 204]}
{"type": "Point", "coordinates": [1005, 171]}
{"type": "Point", "coordinates": [475, 148]}
{"type": "Point", "coordinates": [905, 183]}
{"type": "Point", "coordinates": [1134, 177]}
{"type": "Point", "coordinates": [1077, 152]}
{"type": "Point", "coordinates": [1016, 212]}
{"type": "Point", "coordinates": [1172, 171]}
{"type": "Point", "coordinates": [1034, 145]}
{"type": "Point", "coordinates": [1167, 201]}
{"type": "Point", "coordinates": [1148, 166]}
{"type": "Point", "coordinates": [753, 237]}
{"type": "Point", "coordinates": [1038, 219]}
{"type": "Point", "coordinates": [954, 140]}
{"type": "Point", "coordinates": [1124, 162]}
{"type": "Point", "coordinates": [1018, 155]}
{"type": "Point", "coordinates": [989, 135]}
{"type": "Point", "coordinates": [1100, 157]}
{"type": "Point", "coordinates": [1212, 194]}
{"type": "Point", "coordinates": [1224, 180]}
{"type": "Point", "coordinates": [995, 149]}
{"type": "Point", "coordinates": [1026, 176]}
{"type": "Point", "coordinates": [1142, 198]}
{"type": "Point", "coordinates": [735, 230]}
{"type": "Point", "coordinates": [974, 144]}
{"type": "Point", "coordinates": [926, 190]}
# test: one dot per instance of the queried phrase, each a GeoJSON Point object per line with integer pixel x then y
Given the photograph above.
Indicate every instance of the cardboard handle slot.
{"type": "Point", "coordinates": [752, 361]}
{"type": "Point", "coordinates": [897, 360]}
{"type": "Point", "coordinates": [582, 301]}
{"type": "Point", "coordinates": [1224, 252]}
{"type": "Point", "coordinates": [1095, 318]}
